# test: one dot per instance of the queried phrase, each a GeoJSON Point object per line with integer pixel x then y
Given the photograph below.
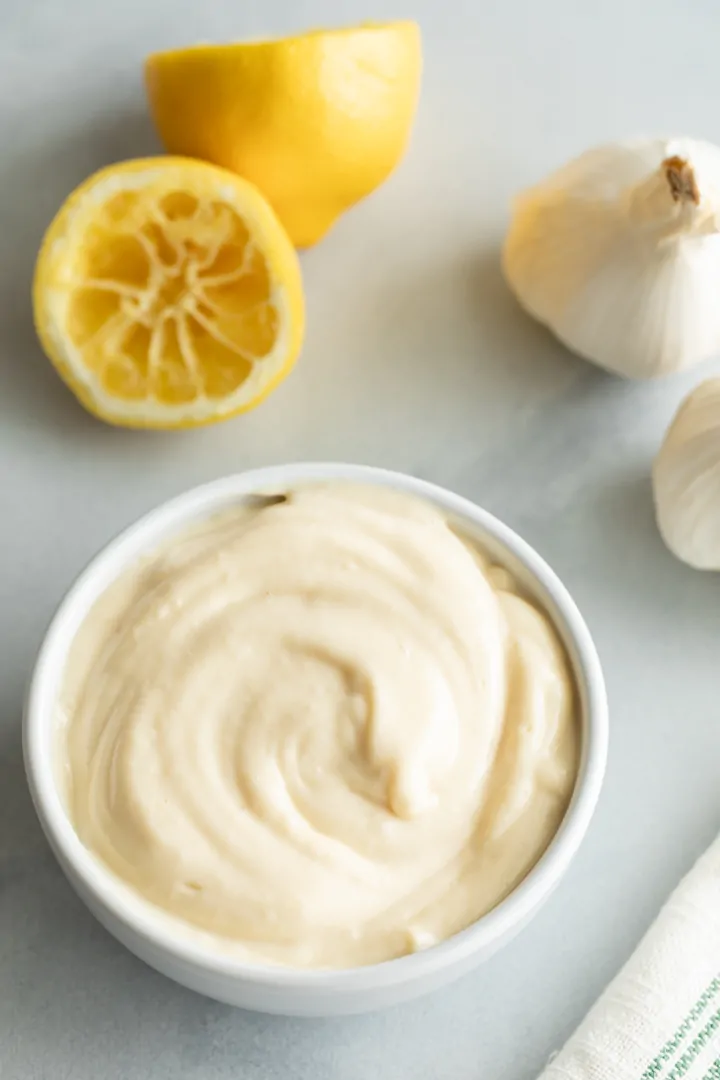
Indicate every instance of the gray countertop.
{"type": "Point", "coordinates": [418, 359]}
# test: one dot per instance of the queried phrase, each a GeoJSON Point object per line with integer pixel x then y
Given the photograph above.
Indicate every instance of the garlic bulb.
{"type": "Point", "coordinates": [619, 254]}
{"type": "Point", "coordinates": [686, 480]}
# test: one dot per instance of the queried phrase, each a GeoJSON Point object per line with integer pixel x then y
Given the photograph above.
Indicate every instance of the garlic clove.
{"type": "Point", "coordinates": [618, 253]}
{"type": "Point", "coordinates": [686, 480]}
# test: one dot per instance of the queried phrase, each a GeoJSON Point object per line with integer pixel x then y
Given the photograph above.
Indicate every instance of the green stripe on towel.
{"type": "Point", "coordinates": [678, 1042]}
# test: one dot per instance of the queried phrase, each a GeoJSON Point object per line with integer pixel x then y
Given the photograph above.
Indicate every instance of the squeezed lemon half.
{"type": "Point", "coordinates": [167, 294]}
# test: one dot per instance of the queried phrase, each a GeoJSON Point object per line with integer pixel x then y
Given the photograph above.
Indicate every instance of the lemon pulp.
{"type": "Point", "coordinates": [164, 300]}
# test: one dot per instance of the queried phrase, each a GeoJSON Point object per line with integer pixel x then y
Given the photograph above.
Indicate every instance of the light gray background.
{"type": "Point", "coordinates": [418, 359]}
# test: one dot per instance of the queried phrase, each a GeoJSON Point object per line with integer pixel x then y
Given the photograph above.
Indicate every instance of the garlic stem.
{"type": "Point", "coordinates": [680, 214]}
{"type": "Point", "coordinates": [680, 176]}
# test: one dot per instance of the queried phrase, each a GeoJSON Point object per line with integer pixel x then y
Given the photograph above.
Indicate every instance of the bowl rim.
{"type": "Point", "coordinates": [137, 914]}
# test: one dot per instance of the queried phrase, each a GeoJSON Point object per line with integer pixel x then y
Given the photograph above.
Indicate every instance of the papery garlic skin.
{"type": "Point", "coordinates": [618, 253]}
{"type": "Point", "coordinates": [686, 480]}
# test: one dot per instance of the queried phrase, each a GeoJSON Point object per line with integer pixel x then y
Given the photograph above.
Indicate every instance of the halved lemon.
{"type": "Point", "coordinates": [317, 121]}
{"type": "Point", "coordinates": [167, 294]}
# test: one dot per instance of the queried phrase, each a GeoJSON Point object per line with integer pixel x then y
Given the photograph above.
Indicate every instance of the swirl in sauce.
{"type": "Point", "coordinates": [324, 731]}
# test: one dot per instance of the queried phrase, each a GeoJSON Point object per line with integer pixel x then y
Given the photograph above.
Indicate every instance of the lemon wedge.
{"type": "Point", "coordinates": [168, 295]}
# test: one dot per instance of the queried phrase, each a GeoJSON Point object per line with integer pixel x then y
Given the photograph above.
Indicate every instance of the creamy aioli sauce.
{"type": "Point", "coordinates": [325, 732]}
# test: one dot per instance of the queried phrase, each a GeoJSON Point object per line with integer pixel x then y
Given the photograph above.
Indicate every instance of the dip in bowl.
{"type": "Point", "coordinates": [316, 739]}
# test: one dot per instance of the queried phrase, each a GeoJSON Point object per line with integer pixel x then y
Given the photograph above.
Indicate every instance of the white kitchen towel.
{"type": "Point", "coordinates": [660, 1018]}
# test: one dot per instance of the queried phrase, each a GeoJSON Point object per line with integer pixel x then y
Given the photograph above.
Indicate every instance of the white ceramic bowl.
{"type": "Point", "coordinates": [143, 929]}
